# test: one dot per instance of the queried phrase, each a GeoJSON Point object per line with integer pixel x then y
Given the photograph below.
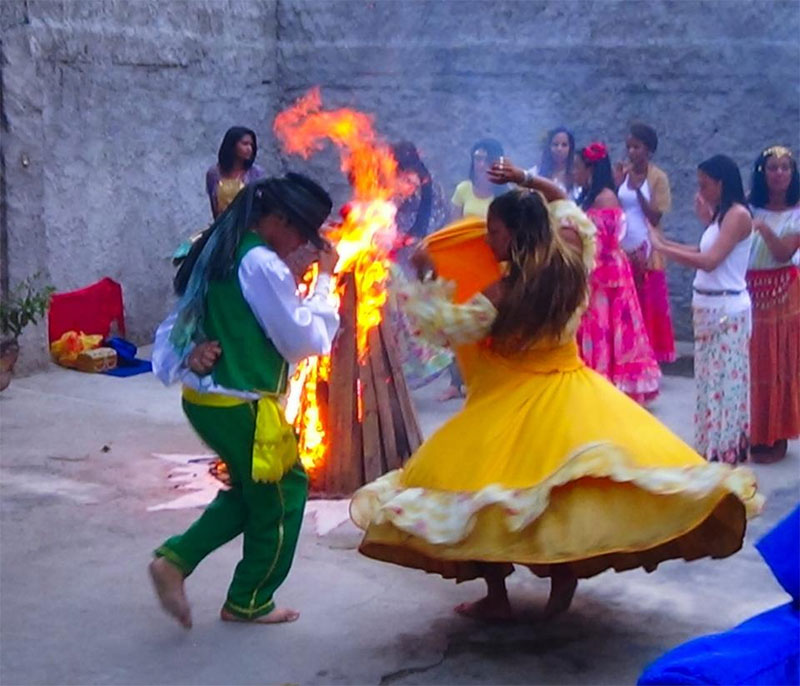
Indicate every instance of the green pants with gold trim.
{"type": "Point", "coordinates": [268, 514]}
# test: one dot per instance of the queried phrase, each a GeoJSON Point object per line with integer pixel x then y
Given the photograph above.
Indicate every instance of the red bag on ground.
{"type": "Point", "coordinates": [90, 310]}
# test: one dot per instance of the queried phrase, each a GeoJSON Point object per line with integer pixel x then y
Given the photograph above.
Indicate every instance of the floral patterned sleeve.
{"type": "Point", "coordinates": [434, 316]}
{"type": "Point", "coordinates": [567, 213]}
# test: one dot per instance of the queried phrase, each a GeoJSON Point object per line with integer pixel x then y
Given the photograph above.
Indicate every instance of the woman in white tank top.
{"type": "Point", "coordinates": [721, 310]}
{"type": "Point", "coordinates": [643, 191]}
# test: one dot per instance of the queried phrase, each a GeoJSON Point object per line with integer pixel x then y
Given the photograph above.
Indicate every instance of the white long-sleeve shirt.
{"type": "Point", "coordinates": [298, 328]}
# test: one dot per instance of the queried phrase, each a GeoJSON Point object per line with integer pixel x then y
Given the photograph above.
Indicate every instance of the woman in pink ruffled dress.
{"type": "Point", "coordinates": [612, 336]}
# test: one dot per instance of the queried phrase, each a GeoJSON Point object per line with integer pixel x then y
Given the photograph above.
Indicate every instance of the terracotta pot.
{"type": "Point", "coordinates": [9, 352]}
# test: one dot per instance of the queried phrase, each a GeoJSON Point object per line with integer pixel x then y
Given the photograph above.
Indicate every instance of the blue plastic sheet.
{"type": "Point", "coordinates": [764, 650]}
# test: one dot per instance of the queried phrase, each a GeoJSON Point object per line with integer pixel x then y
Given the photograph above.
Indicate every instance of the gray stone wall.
{"type": "Point", "coordinates": [113, 110]}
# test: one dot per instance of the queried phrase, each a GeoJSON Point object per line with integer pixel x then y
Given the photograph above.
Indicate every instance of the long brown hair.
{"type": "Point", "coordinates": [547, 281]}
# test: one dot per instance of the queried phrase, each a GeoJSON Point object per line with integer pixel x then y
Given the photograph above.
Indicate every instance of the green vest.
{"type": "Point", "coordinates": [249, 360]}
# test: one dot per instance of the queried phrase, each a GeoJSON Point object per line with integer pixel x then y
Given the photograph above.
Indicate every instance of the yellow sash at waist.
{"type": "Point", "coordinates": [274, 442]}
{"type": "Point", "coordinates": [190, 395]}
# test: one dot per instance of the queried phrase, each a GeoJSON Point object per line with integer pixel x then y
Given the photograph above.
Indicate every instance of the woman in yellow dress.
{"type": "Point", "coordinates": [547, 465]}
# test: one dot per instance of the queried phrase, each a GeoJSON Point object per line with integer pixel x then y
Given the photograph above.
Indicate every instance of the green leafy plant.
{"type": "Point", "coordinates": [24, 304]}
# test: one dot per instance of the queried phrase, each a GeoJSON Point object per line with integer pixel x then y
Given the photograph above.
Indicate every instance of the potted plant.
{"type": "Point", "coordinates": [24, 304]}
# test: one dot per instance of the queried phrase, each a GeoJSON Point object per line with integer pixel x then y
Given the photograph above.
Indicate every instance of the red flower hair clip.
{"type": "Point", "coordinates": [594, 152]}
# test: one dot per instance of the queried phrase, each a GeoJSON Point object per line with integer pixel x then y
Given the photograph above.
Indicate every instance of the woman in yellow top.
{"type": "Point", "coordinates": [235, 169]}
{"type": "Point", "coordinates": [473, 196]}
{"type": "Point", "coordinates": [547, 465]}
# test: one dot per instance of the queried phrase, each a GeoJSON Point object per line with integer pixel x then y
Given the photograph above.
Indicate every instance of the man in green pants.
{"type": "Point", "coordinates": [237, 327]}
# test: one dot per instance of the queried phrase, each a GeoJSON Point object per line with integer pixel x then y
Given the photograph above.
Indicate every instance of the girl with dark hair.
{"type": "Point", "coordinates": [425, 210]}
{"type": "Point", "coordinates": [235, 168]}
{"type": "Point", "coordinates": [644, 193]}
{"type": "Point", "coordinates": [612, 336]}
{"type": "Point", "coordinates": [773, 281]}
{"type": "Point", "coordinates": [473, 196]}
{"type": "Point", "coordinates": [556, 164]}
{"type": "Point", "coordinates": [422, 212]}
{"type": "Point", "coordinates": [721, 310]}
{"type": "Point", "coordinates": [558, 157]}
{"type": "Point", "coordinates": [547, 465]}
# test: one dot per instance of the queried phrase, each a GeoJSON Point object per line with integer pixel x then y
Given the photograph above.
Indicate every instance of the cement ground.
{"type": "Point", "coordinates": [77, 477]}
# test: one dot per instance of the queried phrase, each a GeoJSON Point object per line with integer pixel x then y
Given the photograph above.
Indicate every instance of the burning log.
{"type": "Point", "coordinates": [352, 409]}
{"type": "Point", "coordinates": [367, 408]}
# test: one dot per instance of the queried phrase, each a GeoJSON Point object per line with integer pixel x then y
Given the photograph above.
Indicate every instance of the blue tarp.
{"type": "Point", "coordinates": [127, 362]}
{"type": "Point", "coordinates": [763, 650]}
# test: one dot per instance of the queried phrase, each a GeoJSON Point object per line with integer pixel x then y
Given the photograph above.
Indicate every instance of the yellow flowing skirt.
{"type": "Point", "coordinates": [549, 464]}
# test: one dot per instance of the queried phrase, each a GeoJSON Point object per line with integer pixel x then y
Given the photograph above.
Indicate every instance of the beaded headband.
{"type": "Point", "coordinates": [777, 151]}
{"type": "Point", "coordinates": [774, 151]}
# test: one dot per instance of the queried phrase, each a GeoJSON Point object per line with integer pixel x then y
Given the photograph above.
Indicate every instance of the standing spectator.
{"type": "Point", "coordinates": [721, 309]}
{"type": "Point", "coordinates": [473, 195]}
{"type": "Point", "coordinates": [645, 196]}
{"type": "Point", "coordinates": [421, 213]}
{"type": "Point", "coordinates": [612, 338]}
{"type": "Point", "coordinates": [774, 284]}
{"type": "Point", "coordinates": [557, 160]}
{"type": "Point", "coordinates": [235, 168]}
{"type": "Point", "coordinates": [425, 210]}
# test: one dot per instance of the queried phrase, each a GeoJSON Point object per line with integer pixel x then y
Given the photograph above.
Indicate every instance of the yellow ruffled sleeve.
{"type": "Point", "coordinates": [434, 315]}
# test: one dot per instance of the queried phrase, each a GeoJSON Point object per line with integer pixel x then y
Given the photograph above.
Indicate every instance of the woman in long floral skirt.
{"type": "Point", "coordinates": [721, 310]}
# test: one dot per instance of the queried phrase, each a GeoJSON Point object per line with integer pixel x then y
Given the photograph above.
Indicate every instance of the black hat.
{"type": "Point", "coordinates": [305, 202]}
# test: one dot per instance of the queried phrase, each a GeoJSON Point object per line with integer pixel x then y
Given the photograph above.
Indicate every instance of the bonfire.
{"type": "Point", "coordinates": [352, 409]}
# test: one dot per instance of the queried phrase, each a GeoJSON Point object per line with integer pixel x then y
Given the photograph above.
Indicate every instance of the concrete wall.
{"type": "Point", "coordinates": [120, 106]}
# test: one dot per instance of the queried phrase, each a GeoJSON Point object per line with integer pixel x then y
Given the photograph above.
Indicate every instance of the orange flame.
{"type": "Point", "coordinates": [363, 241]}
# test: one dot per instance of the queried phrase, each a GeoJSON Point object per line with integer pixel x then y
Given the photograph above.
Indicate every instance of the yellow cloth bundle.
{"type": "Point", "coordinates": [66, 349]}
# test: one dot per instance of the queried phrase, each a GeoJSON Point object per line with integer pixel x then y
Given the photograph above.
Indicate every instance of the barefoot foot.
{"type": "Point", "coordinates": [487, 610]}
{"type": "Point", "coordinates": [449, 393]}
{"type": "Point", "coordinates": [168, 583]}
{"type": "Point", "coordinates": [562, 590]}
{"type": "Point", "coordinates": [279, 615]}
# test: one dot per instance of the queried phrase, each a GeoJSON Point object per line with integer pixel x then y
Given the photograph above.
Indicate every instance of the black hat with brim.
{"type": "Point", "coordinates": [306, 203]}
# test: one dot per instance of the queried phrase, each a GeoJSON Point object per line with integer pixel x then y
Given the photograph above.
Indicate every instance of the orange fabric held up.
{"type": "Point", "coordinates": [461, 254]}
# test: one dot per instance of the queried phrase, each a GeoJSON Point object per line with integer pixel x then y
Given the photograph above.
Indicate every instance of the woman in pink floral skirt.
{"type": "Point", "coordinates": [721, 309]}
{"type": "Point", "coordinates": [612, 336]}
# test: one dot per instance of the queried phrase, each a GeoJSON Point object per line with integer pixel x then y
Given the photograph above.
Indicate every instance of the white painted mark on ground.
{"type": "Point", "coordinates": [191, 473]}
{"type": "Point", "coordinates": [35, 483]}
{"type": "Point", "coordinates": [326, 515]}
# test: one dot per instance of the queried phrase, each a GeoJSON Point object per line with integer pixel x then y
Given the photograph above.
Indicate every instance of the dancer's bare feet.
{"type": "Point", "coordinates": [280, 615]}
{"type": "Point", "coordinates": [487, 610]}
{"type": "Point", "coordinates": [168, 583]}
{"type": "Point", "coordinates": [449, 393]}
{"type": "Point", "coordinates": [562, 590]}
